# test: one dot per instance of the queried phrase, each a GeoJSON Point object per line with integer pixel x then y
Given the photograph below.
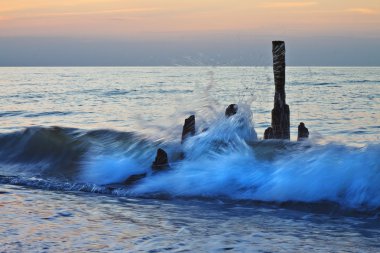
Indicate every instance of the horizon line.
{"type": "Point", "coordinates": [171, 66]}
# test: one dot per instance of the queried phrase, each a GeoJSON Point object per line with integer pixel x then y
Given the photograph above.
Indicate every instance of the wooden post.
{"type": "Point", "coordinates": [303, 132]}
{"type": "Point", "coordinates": [188, 128]}
{"type": "Point", "coordinates": [161, 162]}
{"type": "Point", "coordinates": [280, 112]}
{"type": "Point", "coordinates": [268, 134]}
{"type": "Point", "coordinates": [231, 110]}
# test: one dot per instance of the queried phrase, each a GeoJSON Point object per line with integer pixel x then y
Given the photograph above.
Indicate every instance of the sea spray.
{"type": "Point", "coordinates": [335, 173]}
{"type": "Point", "coordinates": [224, 161]}
{"type": "Point", "coordinates": [308, 172]}
{"type": "Point", "coordinates": [227, 160]}
{"type": "Point", "coordinates": [223, 134]}
{"type": "Point", "coordinates": [110, 169]}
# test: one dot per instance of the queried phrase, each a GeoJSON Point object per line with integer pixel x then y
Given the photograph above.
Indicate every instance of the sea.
{"type": "Point", "coordinates": [70, 137]}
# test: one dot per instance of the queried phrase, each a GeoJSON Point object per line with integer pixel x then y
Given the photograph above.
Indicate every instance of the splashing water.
{"type": "Point", "coordinates": [225, 159]}
{"type": "Point", "coordinates": [224, 182]}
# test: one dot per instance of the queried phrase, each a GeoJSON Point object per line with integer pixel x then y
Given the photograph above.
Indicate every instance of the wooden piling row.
{"type": "Point", "coordinates": [280, 122]}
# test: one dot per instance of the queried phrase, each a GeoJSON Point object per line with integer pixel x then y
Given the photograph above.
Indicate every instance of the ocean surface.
{"type": "Point", "coordinates": [70, 138]}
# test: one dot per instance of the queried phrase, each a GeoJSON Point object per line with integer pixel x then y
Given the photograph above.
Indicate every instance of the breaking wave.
{"type": "Point", "coordinates": [225, 161]}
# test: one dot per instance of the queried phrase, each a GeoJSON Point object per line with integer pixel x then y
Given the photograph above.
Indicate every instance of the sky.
{"type": "Point", "coordinates": [188, 32]}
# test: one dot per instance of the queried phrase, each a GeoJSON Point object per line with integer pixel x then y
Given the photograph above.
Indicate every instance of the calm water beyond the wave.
{"type": "Point", "coordinates": [70, 137]}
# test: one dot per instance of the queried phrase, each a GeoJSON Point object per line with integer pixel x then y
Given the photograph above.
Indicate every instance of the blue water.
{"type": "Point", "coordinates": [70, 137]}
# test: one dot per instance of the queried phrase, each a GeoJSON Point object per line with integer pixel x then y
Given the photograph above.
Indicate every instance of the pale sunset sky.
{"type": "Point", "coordinates": [188, 32]}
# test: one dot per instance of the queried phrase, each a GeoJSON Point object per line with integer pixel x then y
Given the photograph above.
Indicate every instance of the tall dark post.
{"type": "Point", "coordinates": [280, 112]}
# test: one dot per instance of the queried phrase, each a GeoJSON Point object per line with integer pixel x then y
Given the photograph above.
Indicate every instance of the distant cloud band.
{"type": "Point", "coordinates": [287, 4]}
{"type": "Point", "coordinates": [362, 10]}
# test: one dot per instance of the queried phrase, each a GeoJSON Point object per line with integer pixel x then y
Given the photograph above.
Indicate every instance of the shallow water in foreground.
{"type": "Point", "coordinates": [70, 137]}
{"type": "Point", "coordinates": [34, 220]}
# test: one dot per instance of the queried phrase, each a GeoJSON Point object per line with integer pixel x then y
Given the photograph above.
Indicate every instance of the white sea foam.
{"type": "Point", "coordinates": [336, 173]}
{"type": "Point", "coordinates": [226, 161]}
{"type": "Point", "coordinates": [110, 169]}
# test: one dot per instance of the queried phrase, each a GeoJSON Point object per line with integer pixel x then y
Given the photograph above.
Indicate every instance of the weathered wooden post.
{"type": "Point", "coordinates": [280, 112]}
{"type": "Point", "coordinates": [161, 162]}
{"type": "Point", "coordinates": [303, 132]}
{"type": "Point", "coordinates": [231, 110]}
{"type": "Point", "coordinates": [188, 128]}
{"type": "Point", "coordinates": [268, 134]}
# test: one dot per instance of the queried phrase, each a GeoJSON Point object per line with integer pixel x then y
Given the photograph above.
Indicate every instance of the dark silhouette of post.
{"type": "Point", "coordinates": [231, 110]}
{"type": "Point", "coordinates": [161, 162]}
{"type": "Point", "coordinates": [268, 134]}
{"type": "Point", "coordinates": [280, 112]}
{"type": "Point", "coordinates": [303, 132]}
{"type": "Point", "coordinates": [188, 128]}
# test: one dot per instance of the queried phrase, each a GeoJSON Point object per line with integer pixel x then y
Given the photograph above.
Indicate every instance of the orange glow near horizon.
{"type": "Point", "coordinates": [148, 18]}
